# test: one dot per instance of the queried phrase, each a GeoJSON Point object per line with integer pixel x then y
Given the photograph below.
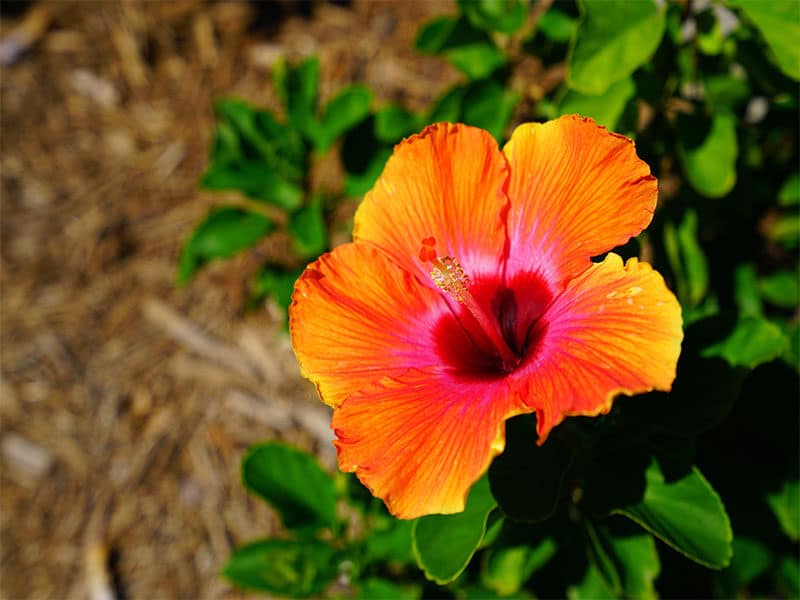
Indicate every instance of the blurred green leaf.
{"type": "Point", "coordinates": [629, 564]}
{"type": "Point", "coordinates": [448, 106]}
{"type": "Point", "coordinates": [726, 93]}
{"type": "Point", "coordinates": [226, 148]}
{"type": "Point", "coordinates": [709, 162]}
{"type": "Point", "coordinates": [606, 108]}
{"type": "Point", "coordinates": [507, 568]}
{"type": "Point", "coordinates": [489, 105]}
{"type": "Point", "coordinates": [375, 588]}
{"type": "Point", "coordinates": [591, 587]}
{"type": "Point", "coordinates": [255, 181]}
{"type": "Point", "coordinates": [686, 514]}
{"type": "Point", "coordinates": [778, 21]}
{"type": "Point", "coordinates": [505, 16]}
{"type": "Point", "coordinates": [527, 479]}
{"type": "Point", "coordinates": [785, 504]}
{"type": "Point", "coordinates": [751, 559]}
{"type": "Point", "coordinates": [787, 575]}
{"type": "Point", "coordinates": [469, 49]}
{"type": "Point", "coordinates": [753, 341]}
{"type": "Point", "coordinates": [555, 25]}
{"type": "Point", "coordinates": [393, 123]}
{"type": "Point", "coordinates": [275, 282]}
{"type": "Point", "coordinates": [363, 157]}
{"type": "Point", "coordinates": [746, 292]}
{"type": "Point", "coordinates": [308, 230]}
{"type": "Point", "coordinates": [790, 191]}
{"type": "Point", "coordinates": [298, 86]}
{"type": "Point", "coordinates": [686, 259]}
{"type": "Point", "coordinates": [444, 544]}
{"type": "Point", "coordinates": [785, 230]}
{"type": "Point", "coordinates": [390, 540]}
{"type": "Point", "coordinates": [292, 482]}
{"type": "Point", "coordinates": [224, 232]}
{"type": "Point", "coordinates": [613, 39]}
{"type": "Point", "coordinates": [285, 567]}
{"type": "Point", "coordinates": [346, 110]}
{"type": "Point", "coordinates": [781, 289]}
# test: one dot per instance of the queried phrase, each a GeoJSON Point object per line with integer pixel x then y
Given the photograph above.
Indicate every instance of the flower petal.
{"type": "Point", "coordinates": [356, 317]}
{"type": "Point", "coordinates": [614, 330]}
{"type": "Point", "coordinates": [576, 191]}
{"type": "Point", "coordinates": [419, 441]}
{"type": "Point", "coordinates": [447, 183]}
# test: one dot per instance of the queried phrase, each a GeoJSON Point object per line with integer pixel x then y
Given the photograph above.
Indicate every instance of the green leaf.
{"type": "Point", "coordinates": [606, 108]}
{"type": "Point", "coordinates": [448, 106]}
{"type": "Point", "coordinates": [298, 86]}
{"type": "Point", "coordinates": [468, 48]}
{"type": "Point", "coordinates": [555, 25]}
{"type": "Point", "coordinates": [376, 588]}
{"type": "Point", "coordinates": [753, 341]}
{"type": "Point", "coordinates": [628, 563]}
{"type": "Point", "coordinates": [750, 560]}
{"type": "Point", "coordinates": [292, 482]}
{"type": "Point", "coordinates": [277, 283]}
{"type": "Point", "coordinates": [393, 123]}
{"type": "Point", "coordinates": [488, 105]}
{"type": "Point", "coordinates": [686, 514]}
{"type": "Point", "coordinates": [781, 289]}
{"type": "Point", "coordinates": [709, 161]}
{"type": "Point", "coordinates": [778, 21]}
{"type": "Point", "coordinates": [785, 504]}
{"type": "Point", "coordinates": [726, 93]}
{"type": "Point", "coordinates": [787, 575]}
{"type": "Point", "coordinates": [746, 291]}
{"type": "Point", "coordinates": [224, 232]}
{"type": "Point", "coordinates": [308, 230]}
{"type": "Point", "coordinates": [613, 39]}
{"type": "Point", "coordinates": [505, 16]}
{"type": "Point", "coordinates": [390, 540]}
{"type": "Point", "coordinates": [790, 191]}
{"type": "Point", "coordinates": [786, 231]}
{"type": "Point", "coordinates": [286, 567]}
{"type": "Point", "coordinates": [346, 110]}
{"type": "Point", "coordinates": [687, 260]}
{"type": "Point", "coordinates": [506, 569]}
{"type": "Point", "coordinates": [591, 587]}
{"type": "Point", "coordinates": [444, 544]}
{"type": "Point", "coordinates": [255, 181]}
{"type": "Point", "coordinates": [526, 480]}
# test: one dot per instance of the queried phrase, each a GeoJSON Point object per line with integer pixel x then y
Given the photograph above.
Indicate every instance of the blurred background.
{"type": "Point", "coordinates": [143, 342]}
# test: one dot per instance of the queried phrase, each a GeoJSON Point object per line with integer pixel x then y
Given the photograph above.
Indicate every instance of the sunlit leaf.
{"type": "Point", "coordinates": [606, 108]}
{"type": "Point", "coordinates": [591, 587]}
{"type": "Point", "coordinates": [292, 482]}
{"type": "Point", "coordinates": [709, 161]}
{"type": "Point", "coordinates": [789, 194]}
{"type": "Point", "coordinates": [778, 21]}
{"type": "Point", "coordinates": [505, 16]}
{"type": "Point", "coordinates": [614, 38]}
{"type": "Point", "coordinates": [687, 260]}
{"type": "Point", "coordinates": [781, 289]}
{"type": "Point", "coordinates": [628, 563]}
{"type": "Point", "coordinates": [555, 25]}
{"type": "Point", "coordinates": [507, 568]}
{"type": "Point", "coordinates": [785, 504]}
{"type": "Point", "coordinates": [444, 544]}
{"type": "Point", "coordinates": [285, 567]}
{"type": "Point", "coordinates": [753, 341]}
{"type": "Point", "coordinates": [685, 513]}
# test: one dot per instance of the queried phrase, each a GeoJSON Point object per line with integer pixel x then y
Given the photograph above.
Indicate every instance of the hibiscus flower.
{"type": "Point", "coordinates": [469, 296]}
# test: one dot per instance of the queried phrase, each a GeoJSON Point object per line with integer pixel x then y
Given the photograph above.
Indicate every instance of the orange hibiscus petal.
{"type": "Point", "coordinates": [614, 330]}
{"type": "Point", "coordinates": [576, 191]}
{"type": "Point", "coordinates": [356, 317]}
{"type": "Point", "coordinates": [419, 441]}
{"type": "Point", "coordinates": [447, 183]}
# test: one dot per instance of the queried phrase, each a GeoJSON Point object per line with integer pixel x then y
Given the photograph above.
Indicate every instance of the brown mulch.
{"type": "Point", "coordinates": [127, 403]}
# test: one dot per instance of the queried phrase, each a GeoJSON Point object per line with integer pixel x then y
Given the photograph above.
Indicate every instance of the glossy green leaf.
{"type": "Point", "coordinates": [224, 232]}
{"type": "Point", "coordinates": [275, 282]}
{"type": "Point", "coordinates": [488, 105]}
{"type": "Point", "coordinates": [527, 479]}
{"type": "Point", "coordinates": [778, 21]}
{"type": "Point", "coordinates": [687, 260]}
{"type": "Point", "coordinates": [752, 342]}
{"type": "Point", "coordinates": [444, 544]}
{"type": "Point", "coordinates": [308, 230]}
{"type": "Point", "coordinates": [628, 563]}
{"type": "Point", "coordinates": [468, 48]}
{"type": "Point", "coordinates": [789, 195]}
{"type": "Point", "coordinates": [285, 567]}
{"type": "Point", "coordinates": [292, 482]}
{"type": "Point", "coordinates": [781, 289]}
{"type": "Point", "coordinates": [686, 514]}
{"type": "Point", "coordinates": [507, 568]}
{"type": "Point", "coordinates": [555, 25]}
{"type": "Point", "coordinates": [751, 559]}
{"type": "Point", "coordinates": [346, 110]}
{"type": "Point", "coordinates": [256, 182]}
{"type": "Point", "coordinates": [785, 504]}
{"type": "Point", "coordinates": [393, 123]}
{"type": "Point", "coordinates": [709, 161]}
{"type": "Point", "coordinates": [606, 108]}
{"type": "Point", "coordinates": [298, 87]}
{"type": "Point", "coordinates": [504, 16]}
{"type": "Point", "coordinates": [613, 39]}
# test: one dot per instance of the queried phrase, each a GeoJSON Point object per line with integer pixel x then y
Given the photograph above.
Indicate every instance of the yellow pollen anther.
{"type": "Point", "coordinates": [449, 277]}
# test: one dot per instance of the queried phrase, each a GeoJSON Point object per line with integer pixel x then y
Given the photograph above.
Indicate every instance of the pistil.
{"type": "Point", "coordinates": [449, 276]}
